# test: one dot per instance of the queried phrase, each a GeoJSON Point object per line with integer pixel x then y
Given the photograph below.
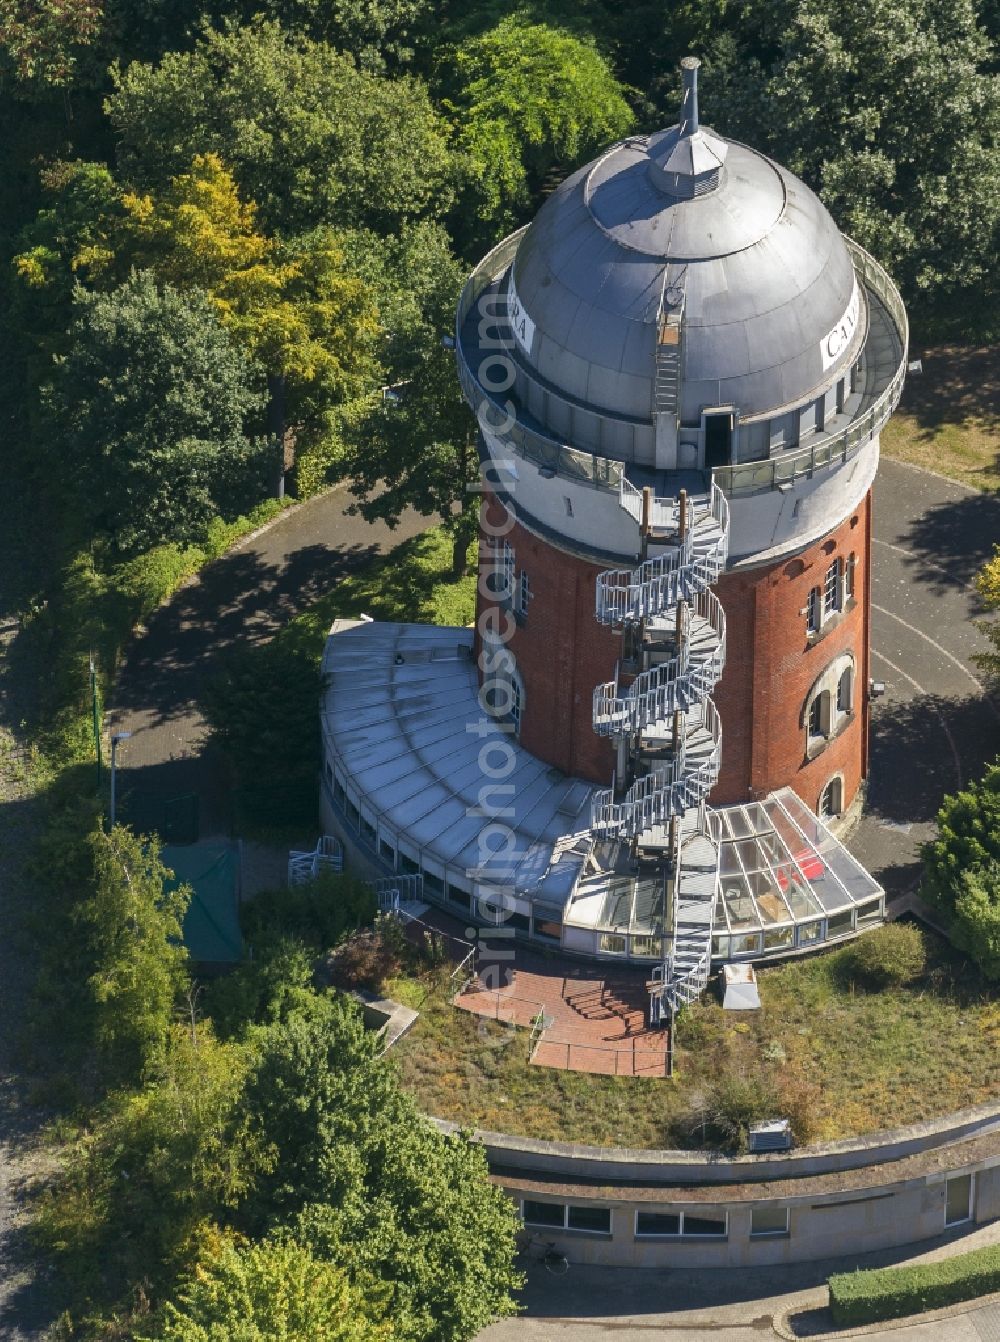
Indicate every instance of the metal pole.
{"type": "Point", "coordinates": [96, 717]}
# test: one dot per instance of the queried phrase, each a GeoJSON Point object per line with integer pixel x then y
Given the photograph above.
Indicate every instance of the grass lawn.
{"type": "Point", "coordinates": [948, 420]}
{"type": "Point", "coordinates": [861, 1060]}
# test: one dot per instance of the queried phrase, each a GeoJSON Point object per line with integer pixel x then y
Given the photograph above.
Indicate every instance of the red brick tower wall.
{"type": "Point", "coordinates": [772, 662]}
{"type": "Point", "coordinates": [561, 651]}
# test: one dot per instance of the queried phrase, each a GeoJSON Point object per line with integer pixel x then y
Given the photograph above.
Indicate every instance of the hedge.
{"type": "Point", "coordinates": [892, 1292]}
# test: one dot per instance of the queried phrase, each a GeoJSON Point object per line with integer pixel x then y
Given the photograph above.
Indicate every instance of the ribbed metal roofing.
{"type": "Point", "coordinates": [764, 275]}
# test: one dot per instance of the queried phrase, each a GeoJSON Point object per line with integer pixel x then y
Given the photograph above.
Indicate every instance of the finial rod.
{"type": "Point", "coordinates": [689, 105]}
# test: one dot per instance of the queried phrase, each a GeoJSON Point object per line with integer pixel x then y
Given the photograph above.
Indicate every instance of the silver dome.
{"type": "Point", "coordinates": [764, 272]}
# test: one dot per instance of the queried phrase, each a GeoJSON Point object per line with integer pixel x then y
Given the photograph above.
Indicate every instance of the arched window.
{"type": "Point", "coordinates": [845, 690]}
{"type": "Point", "coordinates": [831, 799]}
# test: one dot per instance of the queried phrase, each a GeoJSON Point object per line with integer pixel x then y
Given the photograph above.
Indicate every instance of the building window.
{"type": "Point", "coordinates": [819, 714]}
{"type": "Point", "coordinates": [845, 690]}
{"type": "Point", "coordinates": [958, 1199]}
{"type": "Point", "coordinates": [768, 1221]}
{"type": "Point", "coordinates": [831, 589]}
{"type": "Point", "coordinates": [693, 1225]}
{"type": "Point", "coordinates": [559, 1216]}
{"type": "Point", "coordinates": [523, 594]}
{"type": "Point", "coordinates": [500, 583]}
{"type": "Point", "coordinates": [849, 578]}
{"type": "Point", "coordinates": [516, 703]}
{"type": "Point", "coordinates": [387, 853]}
{"type": "Point", "coordinates": [812, 611]}
{"type": "Point", "coordinates": [831, 801]}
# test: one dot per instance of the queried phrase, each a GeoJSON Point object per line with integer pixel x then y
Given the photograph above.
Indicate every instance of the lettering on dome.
{"type": "Point", "coordinates": [833, 345]}
{"type": "Point", "coordinates": [520, 323]}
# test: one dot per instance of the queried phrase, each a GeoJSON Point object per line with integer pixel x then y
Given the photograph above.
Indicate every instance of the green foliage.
{"type": "Point", "coordinates": [147, 416]}
{"type": "Point", "coordinates": [263, 706]}
{"type": "Point", "coordinates": [264, 989]}
{"type": "Point", "coordinates": [370, 1184]}
{"type": "Point", "coordinates": [988, 587]}
{"type": "Point", "coordinates": [890, 956]}
{"type": "Point", "coordinates": [962, 869]}
{"type": "Point", "coordinates": [131, 929]}
{"type": "Point", "coordinates": [527, 100]}
{"type": "Point", "coordinates": [904, 149]}
{"type": "Point", "coordinates": [736, 1101]}
{"type": "Point", "coordinates": [317, 913]}
{"type": "Point", "coordinates": [857, 1298]}
{"type": "Point", "coordinates": [424, 453]}
{"type": "Point", "coordinates": [41, 43]}
{"type": "Point", "coordinates": [375, 32]}
{"type": "Point", "coordinates": [272, 1291]}
{"type": "Point", "coordinates": [138, 1186]}
{"type": "Point", "coordinates": [311, 138]}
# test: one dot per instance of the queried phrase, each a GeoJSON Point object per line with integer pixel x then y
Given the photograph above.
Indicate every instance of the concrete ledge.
{"type": "Point", "coordinates": [388, 1018]}
{"type": "Point", "coordinates": [706, 1167]}
{"type": "Point", "coordinates": [784, 1324]}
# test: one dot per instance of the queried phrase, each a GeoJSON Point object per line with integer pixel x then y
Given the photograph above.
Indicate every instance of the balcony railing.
{"type": "Point", "coordinates": [751, 477]}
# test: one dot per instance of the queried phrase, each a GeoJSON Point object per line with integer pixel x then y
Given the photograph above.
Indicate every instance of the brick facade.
{"type": "Point", "coordinates": [772, 663]}
{"type": "Point", "coordinates": [561, 651]}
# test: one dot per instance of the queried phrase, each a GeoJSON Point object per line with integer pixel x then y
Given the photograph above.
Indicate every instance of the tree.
{"type": "Point", "coordinates": [148, 415]}
{"type": "Point", "coordinates": [157, 1164]}
{"type": "Point", "coordinates": [40, 43]}
{"type": "Point", "coordinates": [988, 587]}
{"type": "Point", "coordinates": [417, 447]}
{"type": "Point", "coordinates": [890, 110]}
{"type": "Point", "coordinates": [132, 929]}
{"type": "Point", "coordinates": [527, 100]}
{"type": "Point", "coordinates": [272, 1291]}
{"type": "Point", "coordinates": [374, 32]}
{"type": "Point", "coordinates": [962, 869]}
{"type": "Point", "coordinates": [308, 136]}
{"type": "Point", "coordinates": [369, 1184]}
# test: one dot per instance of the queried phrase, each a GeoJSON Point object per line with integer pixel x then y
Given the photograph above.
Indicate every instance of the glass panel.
{"type": "Point", "coordinates": [778, 938]}
{"type": "Point", "coordinates": [407, 865]}
{"type": "Point", "coordinates": [740, 909]}
{"type": "Point", "coordinates": [460, 897]}
{"type": "Point", "coordinates": [433, 883]}
{"type": "Point", "coordinates": [368, 831]}
{"type": "Point", "coordinates": [657, 1223]}
{"type": "Point", "coordinates": [748, 944]}
{"type": "Point", "coordinates": [705, 1223]}
{"type": "Point", "coordinates": [769, 1221]}
{"type": "Point", "coordinates": [869, 913]}
{"type": "Point", "coordinates": [353, 815]}
{"type": "Point", "coordinates": [808, 933]}
{"type": "Point", "coordinates": [612, 943]}
{"type": "Point", "coordinates": [720, 947]}
{"type": "Point", "coordinates": [647, 947]}
{"type": "Point", "coordinates": [387, 853]}
{"type": "Point", "coordinates": [544, 1214]}
{"type": "Point", "coordinates": [958, 1199]}
{"type": "Point", "coordinates": [551, 931]}
{"type": "Point", "coordinates": [597, 1219]}
{"type": "Point", "coordinates": [840, 924]}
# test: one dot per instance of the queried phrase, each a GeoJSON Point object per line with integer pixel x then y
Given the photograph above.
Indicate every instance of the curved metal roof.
{"type": "Point", "coordinates": [764, 275]}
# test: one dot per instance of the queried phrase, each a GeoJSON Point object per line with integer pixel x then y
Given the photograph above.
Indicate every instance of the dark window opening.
{"type": "Point", "coordinates": [718, 440]}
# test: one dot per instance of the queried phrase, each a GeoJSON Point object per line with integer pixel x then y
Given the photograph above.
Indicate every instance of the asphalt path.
{"type": "Point", "coordinates": [936, 728]}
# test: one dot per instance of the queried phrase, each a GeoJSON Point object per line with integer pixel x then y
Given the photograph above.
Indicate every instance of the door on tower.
{"type": "Point", "coordinates": [718, 426]}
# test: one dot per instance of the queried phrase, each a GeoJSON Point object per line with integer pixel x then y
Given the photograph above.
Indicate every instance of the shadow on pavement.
{"type": "Point", "coordinates": [958, 537]}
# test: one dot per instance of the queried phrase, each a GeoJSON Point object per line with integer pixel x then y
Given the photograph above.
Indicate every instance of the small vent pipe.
{"type": "Point", "coordinates": [689, 105]}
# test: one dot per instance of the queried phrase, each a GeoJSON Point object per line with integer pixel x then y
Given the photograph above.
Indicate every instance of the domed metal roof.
{"type": "Point", "coordinates": [683, 220]}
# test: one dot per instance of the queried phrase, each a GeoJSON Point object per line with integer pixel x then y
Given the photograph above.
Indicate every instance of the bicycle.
{"type": "Point", "coordinates": [551, 1259]}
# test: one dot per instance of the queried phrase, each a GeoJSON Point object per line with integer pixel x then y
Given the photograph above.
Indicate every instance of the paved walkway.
{"type": "Point", "coordinates": [594, 1022]}
{"type": "Point", "coordinates": [243, 598]}
{"type": "Point", "coordinates": [935, 730]}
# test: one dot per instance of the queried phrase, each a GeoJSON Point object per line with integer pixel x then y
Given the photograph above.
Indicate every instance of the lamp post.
{"type": "Point", "coordinates": [115, 738]}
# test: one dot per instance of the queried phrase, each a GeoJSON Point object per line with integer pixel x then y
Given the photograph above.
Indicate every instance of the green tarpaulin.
{"type": "Point", "coordinates": [211, 924]}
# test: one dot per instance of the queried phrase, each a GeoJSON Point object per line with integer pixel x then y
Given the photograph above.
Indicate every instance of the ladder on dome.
{"type": "Point", "coordinates": [659, 712]}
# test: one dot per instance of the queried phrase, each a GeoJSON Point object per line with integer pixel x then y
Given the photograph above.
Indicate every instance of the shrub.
{"type": "Point", "coordinates": [368, 958]}
{"type": "Point", "coordinates": [737, 1101]}
{"type": "Point", "coordinates": [318, 912]}
{"type": "Point", "coordinates": [891, 1292]}
{"type": "Point", "coordinates": [890, 956]}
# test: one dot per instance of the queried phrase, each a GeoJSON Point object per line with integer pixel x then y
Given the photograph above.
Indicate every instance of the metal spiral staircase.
{"type": "Point", "coordinates": [659, 711]}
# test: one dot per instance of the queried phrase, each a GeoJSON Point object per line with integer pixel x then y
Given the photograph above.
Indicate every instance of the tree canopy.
{"type": "Point", "coordinates": [148, 412]}
{"type": "Point", "coordinates": [527, 99]}
{"type": "Point", "coordinates": [309, 137]}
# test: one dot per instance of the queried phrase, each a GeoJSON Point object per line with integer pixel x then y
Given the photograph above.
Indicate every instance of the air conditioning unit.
{"type": "Point", "coordinates": [775, 1135]}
